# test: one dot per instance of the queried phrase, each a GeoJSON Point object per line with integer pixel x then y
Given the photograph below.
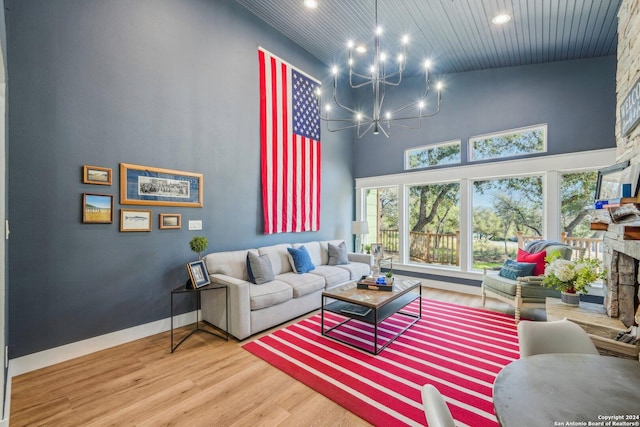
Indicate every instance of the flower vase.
{"type": "Point", "coordinates": [570, 298]}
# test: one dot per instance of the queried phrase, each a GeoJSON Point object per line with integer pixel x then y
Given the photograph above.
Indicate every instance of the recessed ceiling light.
{"type": "Point", "coordinates": [361, 48]}
{"type": "Point", "coordinates": [311, 4]}
{"type": "Point", "coordinates": [503, 18]}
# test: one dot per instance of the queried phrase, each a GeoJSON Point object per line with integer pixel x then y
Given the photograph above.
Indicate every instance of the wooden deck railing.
{"type": "Point", "coordinates": [444, 248]}
{"type": "Point", "coordinates": [432, 248]}
{"type": "Point", "coordinates": [587, 247]}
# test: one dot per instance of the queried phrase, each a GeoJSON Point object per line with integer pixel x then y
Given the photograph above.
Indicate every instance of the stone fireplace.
{"type": "Point", "coordinates": [621, 258]}
{"type": "Point", "coordinates": [622, 249]}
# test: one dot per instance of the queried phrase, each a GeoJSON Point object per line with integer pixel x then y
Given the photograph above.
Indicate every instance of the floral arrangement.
{"type": "Point", "coordinates": [571, 276]}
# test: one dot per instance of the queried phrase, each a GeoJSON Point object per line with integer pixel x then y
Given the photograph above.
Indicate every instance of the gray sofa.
{"type": "Point", "coordinates": [254, 308]}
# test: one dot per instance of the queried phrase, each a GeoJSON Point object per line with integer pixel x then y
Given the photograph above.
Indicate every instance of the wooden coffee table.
{"type": "Point", "coordinates": [377, 306]}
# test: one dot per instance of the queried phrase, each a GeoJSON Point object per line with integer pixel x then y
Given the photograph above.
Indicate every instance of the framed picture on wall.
{"type": "Point", "coordinates": [135, 220]}
{"type": "Point", "coordinates": [97, 208]}
{"type": "Point", "coordinates": [146, 185]}
{"type": "Point", "coordinates": [198, 274]}
{"type": "Point", "coordinates": [96, 175]}
{"type": "Point", "coordinates": [170, 221]}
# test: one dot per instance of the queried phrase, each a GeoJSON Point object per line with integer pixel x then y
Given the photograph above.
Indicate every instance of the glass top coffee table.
{"type": "Point", "coordinates": [370, 307]}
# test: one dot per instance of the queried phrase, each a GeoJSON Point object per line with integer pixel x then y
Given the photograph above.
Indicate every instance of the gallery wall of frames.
{"type": "Point", "coordinates": [143, 186]}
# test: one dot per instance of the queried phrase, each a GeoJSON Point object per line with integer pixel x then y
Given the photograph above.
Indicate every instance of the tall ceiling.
{"type": "Point", "coordinates": [456, 35]}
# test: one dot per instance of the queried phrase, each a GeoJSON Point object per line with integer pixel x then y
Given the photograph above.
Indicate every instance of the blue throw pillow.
{"type": "Point", "coordinates": [512, 269]}
{"type": "Point", "coordinates": [300, 260]}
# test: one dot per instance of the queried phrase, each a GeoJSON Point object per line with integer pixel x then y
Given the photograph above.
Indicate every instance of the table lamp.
{"type": "Point", "coordinates": [359, 228]}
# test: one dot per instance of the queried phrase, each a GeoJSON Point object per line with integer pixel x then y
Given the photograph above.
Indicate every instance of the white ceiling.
{"type": "Point", "coordinates": [457, 35]}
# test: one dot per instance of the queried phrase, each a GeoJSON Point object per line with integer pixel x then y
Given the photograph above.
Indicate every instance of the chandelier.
{"type": "Point", "coordinates": [377, 79]}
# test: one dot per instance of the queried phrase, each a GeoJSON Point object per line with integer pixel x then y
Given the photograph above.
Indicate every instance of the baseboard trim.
{"type": "Point", "coordinates": [453, 287]}
{"type": "Point", "coordinates": [42, 359]}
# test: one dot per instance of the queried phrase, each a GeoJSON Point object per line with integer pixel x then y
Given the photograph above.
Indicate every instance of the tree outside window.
{"type": "Point", "coordinates": [501, 208]}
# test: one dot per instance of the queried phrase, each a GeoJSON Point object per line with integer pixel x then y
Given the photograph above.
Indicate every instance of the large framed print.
{"type": "Point", "coordinates": [146, 185]}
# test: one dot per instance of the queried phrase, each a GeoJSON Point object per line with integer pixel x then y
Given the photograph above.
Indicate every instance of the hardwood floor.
{"type": "Point", "coordinates": [205, 382]}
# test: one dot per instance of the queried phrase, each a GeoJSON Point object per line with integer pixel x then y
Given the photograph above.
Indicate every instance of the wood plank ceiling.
{"type": "Point", "coordinates": [457, 35]}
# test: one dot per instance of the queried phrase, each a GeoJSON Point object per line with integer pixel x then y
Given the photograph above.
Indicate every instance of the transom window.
{"type": "Point", "coordinates": [445, 153]}
{"type": "Point", "coordinates": [510, 143]}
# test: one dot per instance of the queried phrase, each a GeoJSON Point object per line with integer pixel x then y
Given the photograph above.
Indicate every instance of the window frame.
{"type": "Point", "coordinates": [550, 166]}
{"type": "Point", "coordinates": [408, 152]}
{"type": "Point", "coordinates": [473, 139]}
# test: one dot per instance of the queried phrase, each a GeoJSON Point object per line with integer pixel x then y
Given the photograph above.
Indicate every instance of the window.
{"type": "Point", "coordinates": [445, 153]}
{"type": "Point", "coordinates": [381, 213]}
{"type": "Point", "coordinates": [434, 224]}
{"type": "Point", "coordinates": [486, 206]}
{"type": "Point", "coordinates": [515, 142]}
{"type": "Point", "coordinates": [576, 195]}
{"type": "Point", "coordinates": [501, 208]}
{"type": "Point", "coordinates": [577, 191]}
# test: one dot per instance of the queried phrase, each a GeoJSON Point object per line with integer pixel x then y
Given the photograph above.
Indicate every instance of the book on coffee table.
{"type": "Point", "coordinates": [358, 310]}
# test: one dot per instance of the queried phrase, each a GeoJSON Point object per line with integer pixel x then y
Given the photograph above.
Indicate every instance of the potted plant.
{"type": "Point", "coordinates": [198, 244]}
{"type": "Point", "coordinates": [571, 277]}
{"type": "Point", "coordinates": [389, 277]}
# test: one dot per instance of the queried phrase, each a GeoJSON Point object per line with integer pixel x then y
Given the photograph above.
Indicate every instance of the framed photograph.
{"type": "Point", "coordinates": [169, 221]}
{"type": "Point", "coordinates": [97, 208]}
{"type": "Point", "coordinates": [608, 185]}
{"type": "Point", "coordinates": [96, 175]}
{"type": "Point", "coordinates": [377, 250]}
{"type": "Point", "coordinates": [135, 220]}
{"type": "Point", "coordinates": [146, 185]}
{"type": "Point", "coordinates": [198, 274]}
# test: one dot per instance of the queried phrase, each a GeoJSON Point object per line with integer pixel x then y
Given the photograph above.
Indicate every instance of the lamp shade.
{"type": "Point", "coordinates": [359, 227]}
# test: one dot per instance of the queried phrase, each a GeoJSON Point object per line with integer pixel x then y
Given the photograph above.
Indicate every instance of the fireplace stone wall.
{"type": "Point", "coordinates": [621, 256]}
{"type": "Point", "coordinates": [621, 293]}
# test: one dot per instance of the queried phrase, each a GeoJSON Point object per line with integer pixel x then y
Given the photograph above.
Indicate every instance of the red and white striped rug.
{"type": "Point", "coordinates": [458, 349]}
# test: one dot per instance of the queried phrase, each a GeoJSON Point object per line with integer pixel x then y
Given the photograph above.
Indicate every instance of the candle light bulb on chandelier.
{"type": "Point", "coordinates": [382, 73]}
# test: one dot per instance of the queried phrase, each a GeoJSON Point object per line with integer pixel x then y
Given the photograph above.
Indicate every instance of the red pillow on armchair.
{"type": "Point", "coordinates": [537, 258]}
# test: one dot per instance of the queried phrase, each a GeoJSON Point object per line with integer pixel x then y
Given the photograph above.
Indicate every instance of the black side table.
{"type": "Point", "coordinates": [184, 289]}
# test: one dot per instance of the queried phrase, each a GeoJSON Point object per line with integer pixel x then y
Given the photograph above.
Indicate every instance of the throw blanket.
{"type": "Point", "coordinates": [539, 245]}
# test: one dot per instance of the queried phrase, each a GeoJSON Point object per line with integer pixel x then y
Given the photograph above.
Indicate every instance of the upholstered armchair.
{"type": "Point", "coordinates": [525, 290]}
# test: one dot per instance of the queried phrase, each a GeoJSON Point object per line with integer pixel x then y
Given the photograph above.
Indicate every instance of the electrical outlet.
{"type": "Point", "coordinates": [195, 225]}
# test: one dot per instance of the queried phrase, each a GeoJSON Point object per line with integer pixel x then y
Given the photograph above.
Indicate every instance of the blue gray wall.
{"type": "Point", "coordinates": [173, 84]}
{"type": "Point", "coordinates": [576, 99]}
{"type": "Point", "coordinates": [164, 83]}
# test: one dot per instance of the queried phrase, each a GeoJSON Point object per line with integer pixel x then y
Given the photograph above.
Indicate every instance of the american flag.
{"type": "Point", "coordinates": [289, 147]}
